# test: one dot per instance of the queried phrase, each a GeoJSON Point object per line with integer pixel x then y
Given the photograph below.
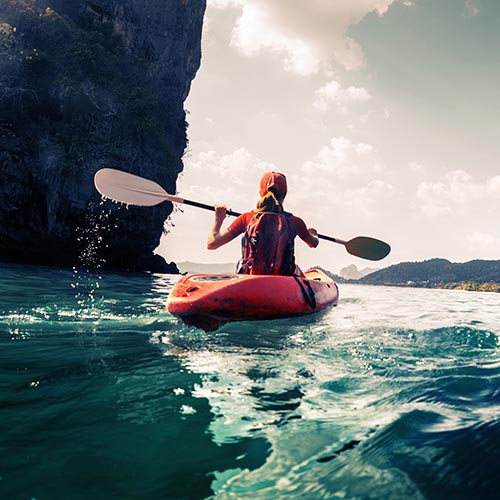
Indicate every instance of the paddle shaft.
{"type": "Point", "coordinates": [232, 213]}
{"type": "Point", "coordinates": [331, 238]}
{"type": "Point", "coordinates": [197, 204]}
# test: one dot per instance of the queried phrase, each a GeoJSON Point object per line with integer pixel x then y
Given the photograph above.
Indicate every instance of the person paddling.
{"type": "Point", "coordinates": [269, 231]}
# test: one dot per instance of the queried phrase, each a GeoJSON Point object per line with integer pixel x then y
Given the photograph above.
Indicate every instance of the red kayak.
{"type": "Point", "coordinates": [210, 300]}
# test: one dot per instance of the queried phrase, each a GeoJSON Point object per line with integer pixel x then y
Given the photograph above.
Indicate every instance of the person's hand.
{"type": "Point", "coordinates": [220, 212]}
{"type": "Point", "coordinates": [312, 238]}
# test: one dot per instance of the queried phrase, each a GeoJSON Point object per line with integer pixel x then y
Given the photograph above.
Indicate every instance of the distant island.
{"type": "Point", "coordinates": [475, 275]}
{"type": "Point", "coordinates": [353, 273]}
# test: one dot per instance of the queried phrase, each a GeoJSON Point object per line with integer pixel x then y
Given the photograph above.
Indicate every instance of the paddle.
{"type": "Point", "coordinates": [134, 190]}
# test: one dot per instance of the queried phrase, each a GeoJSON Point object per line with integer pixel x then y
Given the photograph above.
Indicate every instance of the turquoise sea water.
{"type": "Point", "coordinates": [393, 394]}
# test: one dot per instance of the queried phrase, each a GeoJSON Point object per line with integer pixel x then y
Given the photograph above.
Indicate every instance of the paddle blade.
{"type": "Point", "coordinates": [129, 189]}
{"type": "Point", "coordinates": [367, 248]}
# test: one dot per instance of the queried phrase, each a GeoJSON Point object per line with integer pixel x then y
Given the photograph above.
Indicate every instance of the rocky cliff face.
{"type": "Point", "coordinates": [86, 85]}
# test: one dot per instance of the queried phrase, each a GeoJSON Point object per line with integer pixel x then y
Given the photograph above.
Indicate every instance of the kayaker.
{"type": "Point", "coordinates": [269, 231]}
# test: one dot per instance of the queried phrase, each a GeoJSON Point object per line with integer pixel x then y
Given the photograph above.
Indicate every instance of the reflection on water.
{"type": "Point", "coordinates": [392, 394]}
{"type": "Point", "coordinates": [351, 389]}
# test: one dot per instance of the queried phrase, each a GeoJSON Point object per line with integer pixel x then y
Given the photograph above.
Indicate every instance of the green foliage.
{"type": "Point", "coordinates": [142, 106]}
{"type": "Point", "coordinates": [7, 37]}
{"type": "Point", "coordinates": [474, 287]}
{"type": "Point", "coordinates": [489, 287]}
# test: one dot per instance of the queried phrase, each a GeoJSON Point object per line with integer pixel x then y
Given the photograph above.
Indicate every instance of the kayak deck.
{"type": "Point", "coordinates": [209, 300]}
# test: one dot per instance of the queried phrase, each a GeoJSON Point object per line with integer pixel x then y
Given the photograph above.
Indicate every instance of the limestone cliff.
{"type": "Point", "coordinates": [86, 85]}
{"type": "Point", "coordinates": [353, 273]}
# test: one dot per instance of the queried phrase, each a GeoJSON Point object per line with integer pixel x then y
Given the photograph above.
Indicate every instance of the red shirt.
{"type": "Point", "coordinates": [239, 226]}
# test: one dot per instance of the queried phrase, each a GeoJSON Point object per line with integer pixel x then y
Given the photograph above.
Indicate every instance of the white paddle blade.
{"type": "Point", "coordinates": [129, 188]}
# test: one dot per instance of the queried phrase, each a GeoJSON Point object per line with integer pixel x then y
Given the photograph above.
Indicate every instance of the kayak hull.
{"type": "Point", "coordinates": [209, 300]}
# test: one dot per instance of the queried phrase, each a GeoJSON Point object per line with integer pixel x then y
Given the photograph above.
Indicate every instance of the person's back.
{"type": "Point", "coordinates": [268, 245]}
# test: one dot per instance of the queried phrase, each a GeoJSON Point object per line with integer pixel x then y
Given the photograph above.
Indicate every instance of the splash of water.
{"type": "Point", "coordinates": [91, 239]}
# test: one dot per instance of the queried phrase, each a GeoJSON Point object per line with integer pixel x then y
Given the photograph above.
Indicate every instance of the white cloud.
{"type": "Point", "coordinates": [345, 177]}
{"type": "Point", "coordinates": [364, 119]}
{"type": "Point", "coordinates": [231, 179]}
{"type": "Point", "coordinates": [456, 193]}
{"type": "Point", "coordinates": [471, 8]}
{"type": "Point", "coordinates": [493, 185]}
{"type": "Point", "coordinates": [368, 199]}
{"type": "Point", "coordinates": [417, 167]}
{"type": "Point", "coordinates": [332, 93]}
{"type": "Point", "coordinates": [483, 243]}
{"type": "Point", "coordinates": [308, 34]}
{"type": "Point", "coordinates": [254, 31]}
{"type": "Point", "coordinates": [477, 238]}
{"type": "Point", "coordinates": [343, 159]}
{"type": "Point", "coordinates": [433, 198]}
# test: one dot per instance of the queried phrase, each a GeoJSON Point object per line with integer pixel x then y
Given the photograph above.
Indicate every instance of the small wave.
{"type": "Point", "coordinates": [460, 462]}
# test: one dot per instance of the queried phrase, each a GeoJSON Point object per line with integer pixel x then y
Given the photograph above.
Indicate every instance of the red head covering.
{"type": "Point", "coordinates": [273, 180]}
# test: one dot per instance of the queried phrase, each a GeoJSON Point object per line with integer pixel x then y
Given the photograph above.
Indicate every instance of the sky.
{"type": "Point", "coordinates": [383, 114]}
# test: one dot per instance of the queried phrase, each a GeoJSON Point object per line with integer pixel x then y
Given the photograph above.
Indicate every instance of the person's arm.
{"type": "Point", "coordinates": [216, 238]}
{"type": "Point", "coordinates": [312, 237]}
{"type": "Point", "coordinates": [309, 235]}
